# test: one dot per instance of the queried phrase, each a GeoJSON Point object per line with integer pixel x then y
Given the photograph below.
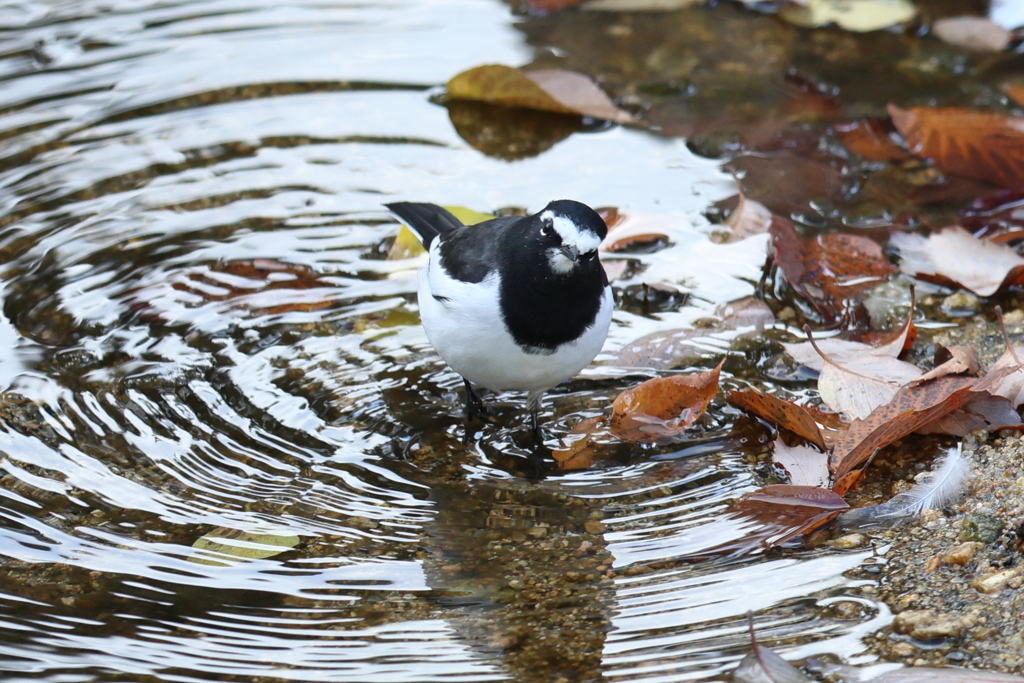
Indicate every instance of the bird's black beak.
{"type": "Point", "coordinates": [571, 252]}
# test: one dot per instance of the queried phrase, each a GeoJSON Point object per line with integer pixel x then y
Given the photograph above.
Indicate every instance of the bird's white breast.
{"type": "Point", "coordinates": [467, 330]}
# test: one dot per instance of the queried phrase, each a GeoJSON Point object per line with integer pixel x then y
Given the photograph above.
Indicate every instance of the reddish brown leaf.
{"type": "Point", "coordinates": [785, 511]}
{"type": "Point", "coordinates": [871, 139]}
{"type": "Point", "coordinates": [581, 444]}
{"type": "Point", "coordinates": [910, 409]}
{"type": "Point", "coordinates": [748, 218]}
{"type": "Point", "coordinates": [806, 466]}
{"type": "Point", "coordinates": [788, 183]}
{"type": "Point", "coordinates": [955, 257]}
{"type": "Point", "coordinates": [975, 144]}
{"type": "Point", "coordinates": [664, 406]}
{"type": "Point", "coordinates": [955, 360]}
{"type": "Point", "coordinates": [1015, 89]}
{"type": "Point", "coordinates": [247, 282]}
{"type": "Point", "coordinates": [830, 270]}
{"type": "Point", "coordinates": [847, 482]}
{"type": "Point", "coordinates": [796, 419]}
{"type": "Point", "coordinates": [984, 411]}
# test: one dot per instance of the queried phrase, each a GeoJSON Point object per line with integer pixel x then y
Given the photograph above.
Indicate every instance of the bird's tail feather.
{"type": "Point", "coordinates": [426, 220]}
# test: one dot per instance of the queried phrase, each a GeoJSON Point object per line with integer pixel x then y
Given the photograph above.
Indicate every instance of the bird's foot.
{"type": "Point", "coordinates": [475, 407]}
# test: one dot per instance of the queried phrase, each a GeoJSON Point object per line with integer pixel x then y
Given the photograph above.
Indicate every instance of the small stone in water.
{"type": "Point", "coordinates": [980, 526]}
{"type": "Point", "coordinates": [961, 554]}
{"type": "Point", "coordinates": [850, 541]}
{"type": "Point", "coordinates": [993, 582]}
{"type": "Point", "coordinates": [960, 305]}
{"type": "Point", "coordinates": [594, 527]}
{"type": "Point", "coordinates": [927, 625]}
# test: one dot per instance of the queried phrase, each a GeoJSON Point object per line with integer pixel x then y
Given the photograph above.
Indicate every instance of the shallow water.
{"type": "Point", "coordinates": [203, 334]}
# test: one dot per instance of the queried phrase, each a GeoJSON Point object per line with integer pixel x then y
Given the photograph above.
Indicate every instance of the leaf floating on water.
{"type": "Point", "coordinates": [975, 33]}
{"type": "Point", "coordinates": [806, 466]}
{"type": "Point", "coordinates": [939, 488]}
{"type": "Point", "coordinates": [222, 546]}
{"type": "Point", "coordinates": [970, 143]}
{"type": "Point", "coordinates": [870, 139]}
{"type": "Point", "coordinates": [955, 257]}
{"type": "Point", "coordinates": [664, 406]}
{"type": "Point", "coordinates": [629, 229]}
{"type": "Point", "coordinates": [852, 15]}
{"type": "Point", "coordinates": [984, 411]}
{"type": "Point", "coordinates": [748, 218]}
{"type": "Point", "coordinates": [554, 90]}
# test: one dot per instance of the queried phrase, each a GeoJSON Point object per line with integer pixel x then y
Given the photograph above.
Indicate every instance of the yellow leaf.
{"type": "Point", "coordinates": [852, 15]}
{"type": "Point", "coordinates": [406, 245]}
{"type": "Point", "coordinates": [468, 216]}
{"type": "Point", "coordinates": [222, 546]}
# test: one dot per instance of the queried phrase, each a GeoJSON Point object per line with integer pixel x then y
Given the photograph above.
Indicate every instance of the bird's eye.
{"type": "Point", "coordinates": [546, 230]}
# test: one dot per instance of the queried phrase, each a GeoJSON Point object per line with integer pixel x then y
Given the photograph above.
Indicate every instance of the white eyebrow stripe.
{"type": "Point", "coordinates": [584, 240]}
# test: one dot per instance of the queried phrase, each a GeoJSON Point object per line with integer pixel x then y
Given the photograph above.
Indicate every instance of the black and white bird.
{"type": "Point", "coordinates": [515, 303]}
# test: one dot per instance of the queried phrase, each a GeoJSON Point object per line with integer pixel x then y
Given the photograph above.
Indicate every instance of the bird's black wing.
{"type": "Point", "coordinates": [426, 220]}
{"type": "Point", "coordinates": [470, 253]}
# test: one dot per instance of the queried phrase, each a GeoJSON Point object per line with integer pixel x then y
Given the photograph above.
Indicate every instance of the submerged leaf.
{"type": "Point", "coordinates": [975, 144]}
{"type": "Point", "coordinates": [785, 414]}
{"type": "Point", "coordinates": [222, 545]}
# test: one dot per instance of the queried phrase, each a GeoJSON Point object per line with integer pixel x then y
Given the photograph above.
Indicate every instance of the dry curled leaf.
{"type": "Point", "coordinates": [955, 360]}
{"type": "Point", "coordinates": [975, 144]}
{"type": "Point", "coordinates": [554, 90]}
{"type": "Point", "coordinates": [664, 406]}
{"type": "Point", "coordinates": [955, 257]}
{"type": "Point", "coordinates": [984, 411]}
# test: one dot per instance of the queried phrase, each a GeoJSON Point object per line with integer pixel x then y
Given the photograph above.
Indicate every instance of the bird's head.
{"type": "Point", "coordinates": [569, 233]}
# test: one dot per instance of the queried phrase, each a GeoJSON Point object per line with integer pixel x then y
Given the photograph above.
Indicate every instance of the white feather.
{"type": "Point", "coordinates": [939, 488]}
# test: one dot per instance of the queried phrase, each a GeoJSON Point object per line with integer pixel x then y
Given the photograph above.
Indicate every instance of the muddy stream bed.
{"type": "Point", "coordinates": [204, 336]}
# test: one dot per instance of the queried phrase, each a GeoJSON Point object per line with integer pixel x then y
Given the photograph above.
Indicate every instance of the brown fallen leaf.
{"type": "Point", "coordinates": [791, 416]}
{"type": "Point", "coordinates": [984, 411]}
{"type": "Point", "coordinates": [955, 360]}
{"type": "Point", "coordinates": [784, 511]}
{"type": "Point", "coordinates": [955, 257]}
{"type": "Point", "coordinates": [555, 90]}
{"type": "Point", "coordinates": [581, 444]}
{"type": "Point", "coordinates": [664, 406]}
{"type": "Point", "coordinates": [975, 144]}
{"type": "Point", "coordinates": [806, 466]}
{"type": "Point", "coordinates": [910, 409]}
{"type": "Point", "coordinates": [855, 391]}
{"type": "Point", "coordinates": [788, 183]}
{"type": "Point", "coordinates": [975, 33]}
{"type": "Point", "coordinates": [1015, 89]}
{"type": "Point", "coordinates": [830, 271]}
{"type": "Point", "coordinates": [870, 139]}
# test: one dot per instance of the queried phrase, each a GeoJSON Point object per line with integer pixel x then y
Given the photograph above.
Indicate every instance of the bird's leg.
{"type": "Point", "coordinates": [533, 405]}
{"type": "Point", "coordinates": [474, 406]}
